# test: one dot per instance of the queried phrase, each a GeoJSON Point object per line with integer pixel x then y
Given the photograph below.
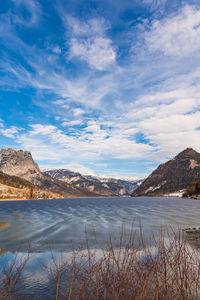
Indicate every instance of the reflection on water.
{"type": "Point", "coordinates": [62, 224]}
{"type": "Point", "coordinates": [4, 225]}
{"type": "Point", "coordinates": [3, 252]}
{"type": "Point", "coordinates": [35, 282]}
{"type": "Point", "coordinates": [57, 224]}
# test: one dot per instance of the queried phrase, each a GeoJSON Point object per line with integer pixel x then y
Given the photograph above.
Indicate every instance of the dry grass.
{"type": "Point", "coordinates": [167, 269]}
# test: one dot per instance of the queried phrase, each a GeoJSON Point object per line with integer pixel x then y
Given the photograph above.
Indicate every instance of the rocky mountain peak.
{"type": "Point", "coordinates": [187, 153]}
{"type": "Point", "coordinates": [8, 152]}
{"type": "Point", "coordinates": [173, 176]}
{"type": "Point", "coordinates": [19, 163]}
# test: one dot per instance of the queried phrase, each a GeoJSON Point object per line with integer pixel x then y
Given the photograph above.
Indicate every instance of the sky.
{"type": "Point", "coordinates": [106, 87]}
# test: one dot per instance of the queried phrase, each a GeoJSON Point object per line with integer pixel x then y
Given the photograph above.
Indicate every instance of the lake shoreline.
{"type": "Point", "coordinates": [107, 197]}
{"type": "Point", "coordinates": [7, 199]}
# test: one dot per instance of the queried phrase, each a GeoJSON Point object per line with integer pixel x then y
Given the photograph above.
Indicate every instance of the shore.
{"type": "Point", "coordinates": [1, 200]}
{"type": "Point", "coordinates": [24, 199]}
{"type": "Point", "coordinates": [8, 199]}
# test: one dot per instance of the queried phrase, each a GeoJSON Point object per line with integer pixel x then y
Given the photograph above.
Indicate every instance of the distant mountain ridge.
{"type": "Point", "coordinates": [172, 176]}
{"type": "Point", "coordinates": [99, 185]}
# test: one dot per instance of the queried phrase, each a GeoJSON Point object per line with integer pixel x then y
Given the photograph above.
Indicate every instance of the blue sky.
{"type": "Point", "coordinates": [103, 87]}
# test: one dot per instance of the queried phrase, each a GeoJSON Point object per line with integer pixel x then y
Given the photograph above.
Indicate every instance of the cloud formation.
{"type": "Point", "coordinates": [101, 88]}
{"type": "Point", "coordinates": [89, 43]}
{"type": "Point", "coordinates": [177, 35]}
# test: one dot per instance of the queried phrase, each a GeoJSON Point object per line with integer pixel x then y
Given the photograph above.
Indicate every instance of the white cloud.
{"type": "Point", "coordinates": [178, 35]}
{"type": "Point", "coordinates": [34, 10]}
{"type": "Point", "coordinates": [78, 111]}
{"type": "Point", "coordinates": [76, 167]}
{"type": "Point", "coordinates": [161, 105]}
{"type": "Point", "coordinates": [171, 124]}
{"type": "Point", "coordinates": [42, 129]}
{"type": "Point", "coordinates": [41, 148]}
{"type": "Point", "coordinates": [90, 43]}
{"type": "Point", "coordinates": [88, 144]}
{"type": "Point", "coordinates": [97, 52]}
{"type": "Point", "coordinates": [57, 50]}
{"type": "Point", "coordinates": [171, 143]}
{"type": "Point", "coordinates": [72, 123]}
{"type": "Point", "coordinates": [86, 89]}
{"type": "Point", "coordinates": [93, 126]}
{"type": "Point", "coordinates": [62, 103]}
{"type": "Point", "coordinates": [9, 132]}
{"type": "Point", "coordinates": [102, 165]}
{"type": "Point", "coordinates": [93, 27]}
{"type": "Point", "coordinates": [169, 120]}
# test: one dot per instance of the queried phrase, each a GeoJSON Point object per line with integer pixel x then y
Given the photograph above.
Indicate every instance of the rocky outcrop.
{"type": "Point", "coordinates": [172, 176]}
{"type": "Point", "coordinates": [20, 163]}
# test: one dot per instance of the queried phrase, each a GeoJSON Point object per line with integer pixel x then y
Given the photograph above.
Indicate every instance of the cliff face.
{"type": "Point", "coordinates": [19, 163]}
{"type": "Point", "coordinates": [172, 176]}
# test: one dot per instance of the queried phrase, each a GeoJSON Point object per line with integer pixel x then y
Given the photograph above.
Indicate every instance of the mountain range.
{"type": "Point", "coordinates": [95, 184]}
{"type": "Point", "coordinates": [21, 164]}
{"type": "Point", "coordinates": [172, 177]}
{"type": "Point", "coordinates": [178, 175]}
{"type": "Point", "coordinates": [63, 182]}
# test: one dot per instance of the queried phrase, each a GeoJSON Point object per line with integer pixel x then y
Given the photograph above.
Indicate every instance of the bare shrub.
{"type": "Point", "coordinates": [11, 286]}
{"type": "Point", "coordinates": [168, 269]}
{"type": "Point", "coordinates": [127, 267]}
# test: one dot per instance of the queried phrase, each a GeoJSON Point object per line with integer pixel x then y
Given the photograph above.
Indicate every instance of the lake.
{"type": "Point", "coordinates": [60, 225]}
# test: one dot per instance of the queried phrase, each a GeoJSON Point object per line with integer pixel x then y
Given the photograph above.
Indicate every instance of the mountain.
{"type": "Point", "coordinates": [14, 181]}
{"type": "Point", "coordinates": [172, 176]}
{"type": "Point", "coordinates": [98, 185]}
{"type": "Point", "coordinates": [21, 164]}
{"type": "Point", "coordinates": [13, 187]}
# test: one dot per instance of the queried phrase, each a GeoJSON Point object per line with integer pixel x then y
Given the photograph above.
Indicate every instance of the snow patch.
{"type": "Point", "coordinates": [175, 194]}
{"type": "Point", "coordinates": [153, 188]}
